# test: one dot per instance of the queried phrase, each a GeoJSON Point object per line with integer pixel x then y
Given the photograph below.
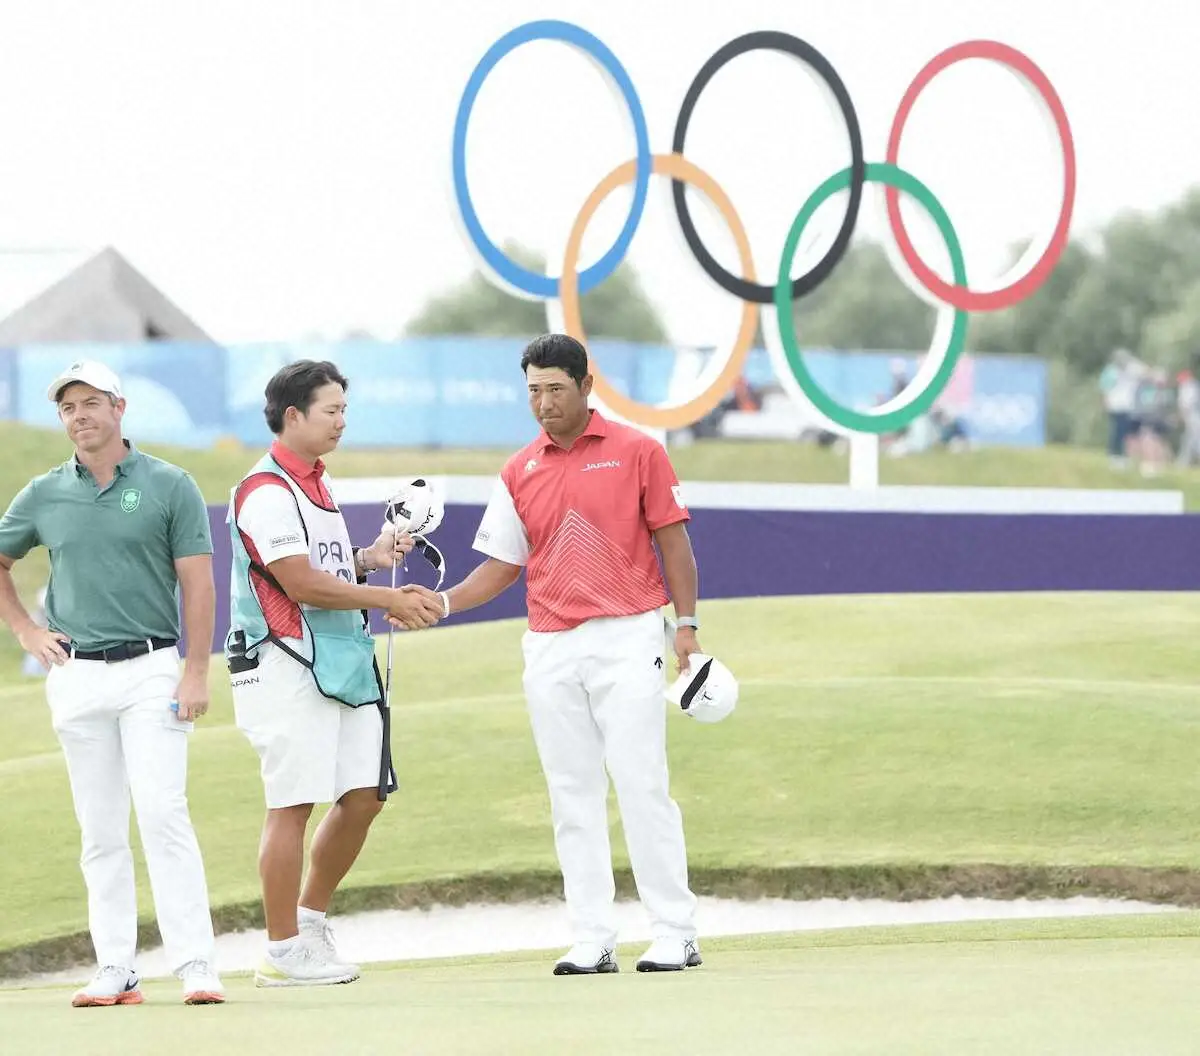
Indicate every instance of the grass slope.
{"type": "Point", "coordinates": [1095, 986]}
{"type": "Point", "coordinates": [30, 451]}
{"type": "Point", "coordinates": [1028, 744]}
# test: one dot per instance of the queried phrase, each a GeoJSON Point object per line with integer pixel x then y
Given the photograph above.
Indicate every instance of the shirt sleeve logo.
{"type": "Point", "coordinates": [131, 498]}
{"type": "Point", "coordinates": [285, 540]}
{"type": "Point", "coordinates": [677, 491]}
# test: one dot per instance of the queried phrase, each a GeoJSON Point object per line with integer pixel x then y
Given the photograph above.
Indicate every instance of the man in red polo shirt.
{"type": "Point", "coordinates": [581, 509]}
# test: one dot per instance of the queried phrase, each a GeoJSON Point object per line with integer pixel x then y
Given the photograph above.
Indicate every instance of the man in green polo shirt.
{"type": "Point", "coordinates": [125, 532]}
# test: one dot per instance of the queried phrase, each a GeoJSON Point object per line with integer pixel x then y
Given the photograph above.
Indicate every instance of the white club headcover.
{"type": "Point", "coordinates": [417, 508]}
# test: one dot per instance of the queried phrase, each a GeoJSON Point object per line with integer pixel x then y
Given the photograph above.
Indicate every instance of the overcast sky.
{"type": "Point", "coordinates": [282, 169]}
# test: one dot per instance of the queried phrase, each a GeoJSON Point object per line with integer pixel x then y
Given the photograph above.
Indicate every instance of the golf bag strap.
{"type": "Point", "coordinates": [268, 575]}
{"type": "Point", "coordinates": [256, 566]}
{"type": "Point", "coordinates": [388, 782]}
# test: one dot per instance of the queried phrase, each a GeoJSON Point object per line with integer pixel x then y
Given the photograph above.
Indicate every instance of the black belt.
{"type": "Point", "coordinates": [124, 651]}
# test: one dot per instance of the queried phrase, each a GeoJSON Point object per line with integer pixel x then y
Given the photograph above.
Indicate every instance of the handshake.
{"type": "Point", "coordinates": [414, 608]}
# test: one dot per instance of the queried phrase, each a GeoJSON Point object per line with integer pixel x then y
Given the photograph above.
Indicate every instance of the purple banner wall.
{"type": "Point", "coordinates": [747, 553]}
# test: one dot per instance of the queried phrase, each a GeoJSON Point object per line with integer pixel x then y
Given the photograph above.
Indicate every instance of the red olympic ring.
{"type": "Point", "coordinates": [963, 297]}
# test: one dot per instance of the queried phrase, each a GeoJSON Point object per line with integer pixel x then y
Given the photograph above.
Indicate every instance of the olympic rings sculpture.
{"type": "Point", "coordinates": [955, 300]}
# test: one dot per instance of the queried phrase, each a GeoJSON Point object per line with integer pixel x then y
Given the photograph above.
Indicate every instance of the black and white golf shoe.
{"type": "Point", "coordinates": [586, 958]}
{"type": "Point", "coordinates": [670, 955]}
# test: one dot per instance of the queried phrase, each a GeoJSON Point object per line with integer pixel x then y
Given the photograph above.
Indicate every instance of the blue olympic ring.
{"type": "Point", "coordinates": [529, 282]}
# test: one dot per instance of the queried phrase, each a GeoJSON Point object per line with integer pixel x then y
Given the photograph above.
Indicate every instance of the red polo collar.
{"type": "Point", "coordinates": [306, 475]}
{"type": "Point", "coordinates": [597, 426]}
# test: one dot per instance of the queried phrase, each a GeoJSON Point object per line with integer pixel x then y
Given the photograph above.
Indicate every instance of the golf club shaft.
{"type": "Point", "coordinates": [387, 684]}
{"type": "Point", "coordinates": [670, 627]}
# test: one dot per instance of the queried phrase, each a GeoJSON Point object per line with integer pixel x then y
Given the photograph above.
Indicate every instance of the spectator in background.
{"type": "Point", "coordinates": [1118, 383]}
{"type": "Point", "coordinates": [1153, 406]}
{"type": "Point", "coordinates": [951, 427]}
{"type": "Point", "coordinates": [897, 384]}
{"type": "Point", "coordinates": [746, 397]}
{"type": "Point", "coordinates": [1187, 403]}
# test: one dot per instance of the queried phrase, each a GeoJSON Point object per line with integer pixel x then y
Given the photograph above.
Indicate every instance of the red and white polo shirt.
{"type": "Point", "coordinates": [271, 528]}
{"type": "Point", "coordinates": [582, 522]}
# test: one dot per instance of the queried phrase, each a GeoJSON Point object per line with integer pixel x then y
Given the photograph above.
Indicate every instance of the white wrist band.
{"type": "Point", "coordinates": [445, 602]}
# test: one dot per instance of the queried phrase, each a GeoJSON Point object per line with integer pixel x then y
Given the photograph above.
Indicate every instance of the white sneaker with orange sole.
{"type": "Point", "coordinates": [111, 985]}
{"type": "Point", "coordinates": [201, 985]}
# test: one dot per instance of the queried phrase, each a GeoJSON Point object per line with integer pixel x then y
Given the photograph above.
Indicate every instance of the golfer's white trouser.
{"type": "Point", "coordinates": [596, 700]}
{"type": "Point", "coordinates": [120, 738]}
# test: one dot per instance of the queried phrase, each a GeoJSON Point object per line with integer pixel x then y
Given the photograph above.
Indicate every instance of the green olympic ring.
{"type": "Point", "coordinates": [916, 405]}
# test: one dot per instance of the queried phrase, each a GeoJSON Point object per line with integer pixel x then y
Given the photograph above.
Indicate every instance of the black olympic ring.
{"type": "Point", "coordinates": [772, 40]}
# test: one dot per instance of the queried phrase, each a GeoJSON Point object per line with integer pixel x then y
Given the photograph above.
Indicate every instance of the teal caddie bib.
{"type": "Point", "coordinates": [336, 644]}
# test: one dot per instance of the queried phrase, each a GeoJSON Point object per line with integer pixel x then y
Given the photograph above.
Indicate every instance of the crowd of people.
{"type": "Point", "coordinates": [1152, 420]}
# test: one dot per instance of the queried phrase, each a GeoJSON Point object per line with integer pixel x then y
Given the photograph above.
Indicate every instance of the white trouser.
{"type": "Point", "coordinates": [596, 700]}
{"type": "Point", "coordinates": [311, 749]}
{"type": "Point", "coordinates": [119, 738]}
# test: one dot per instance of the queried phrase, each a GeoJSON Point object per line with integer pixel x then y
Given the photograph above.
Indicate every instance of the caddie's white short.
{"type": "Point", "coordinates": [312, 749]}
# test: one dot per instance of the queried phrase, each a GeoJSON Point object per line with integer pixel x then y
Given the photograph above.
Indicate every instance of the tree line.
{"type": "Point", "coordinates": [1132, 284]}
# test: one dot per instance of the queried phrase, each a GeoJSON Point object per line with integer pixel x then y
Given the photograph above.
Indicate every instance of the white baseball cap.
{"type": "Point", "coordinates": [707, 691]}
{"type": "Point", "coordinates": [88, 371]}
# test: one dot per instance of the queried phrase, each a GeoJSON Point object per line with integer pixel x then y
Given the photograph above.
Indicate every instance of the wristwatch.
{"type": "Point", "coordinates": [687, 621]}
{"type": "Point", "coordinates": [360, 566]}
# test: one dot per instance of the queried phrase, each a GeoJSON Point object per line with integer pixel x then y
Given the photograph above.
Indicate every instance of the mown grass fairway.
{"type": "Point", "coordinates": [885, 737]}
{"type": "Point", "coordinates": [1115, 986]}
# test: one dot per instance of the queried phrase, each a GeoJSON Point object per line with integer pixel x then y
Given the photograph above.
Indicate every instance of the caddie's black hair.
{"type": "Point", "coordinates": [295, 386]}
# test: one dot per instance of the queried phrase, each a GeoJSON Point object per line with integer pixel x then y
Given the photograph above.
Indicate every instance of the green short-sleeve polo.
{"type": "Point", "coordinates": [112, 551]}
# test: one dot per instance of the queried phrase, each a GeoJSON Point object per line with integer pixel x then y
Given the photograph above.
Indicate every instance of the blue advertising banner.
{"type": "Point", "coordinates": [467, 391]}
{"type": "Point", "coordinates": [8, 383]}
{"type": "Point", "coordinates": [175, 391]}
{"type": "Point", "coordinates": [1002, 399]}
{"type": "Point", "coordinates": [1008, 404]}
{"type": "Point", "coordinates": [416, 393]}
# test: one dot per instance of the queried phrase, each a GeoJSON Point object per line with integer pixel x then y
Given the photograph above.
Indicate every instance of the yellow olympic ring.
{"type": "Point", "coordinates": [645, 414]}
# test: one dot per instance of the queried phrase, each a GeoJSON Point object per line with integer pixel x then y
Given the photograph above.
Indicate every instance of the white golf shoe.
{"type": "Point", "coordinates": [670, 955]}
{"type": "Point", "coordinates": [201, 985]}
{"type": "Point", "coordinates": [304, 964]}
{"type": "Point", "coordinates": [319, 934]}
{"type": "Point", "coordinates": [586, 958]}
{"type": "Point", "coordinates": [111, 985]}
